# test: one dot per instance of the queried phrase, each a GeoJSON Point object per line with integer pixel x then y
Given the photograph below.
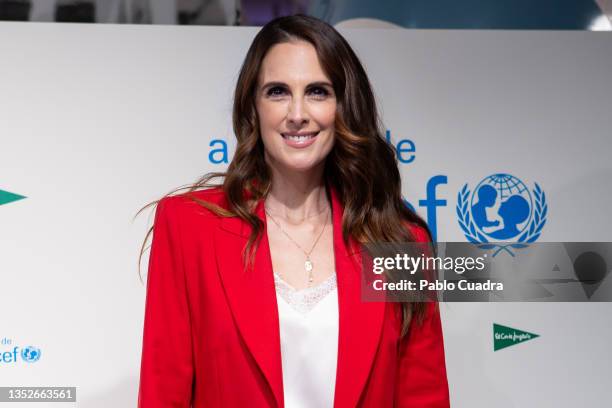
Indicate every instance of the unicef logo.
{"type": "Point", "coordinates": [501, 209]}
{"type": "Point", "coordinates": [30, 354]}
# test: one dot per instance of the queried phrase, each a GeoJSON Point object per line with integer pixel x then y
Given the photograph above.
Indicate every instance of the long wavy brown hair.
{"type": "Point", "coordinates": [362, 165]}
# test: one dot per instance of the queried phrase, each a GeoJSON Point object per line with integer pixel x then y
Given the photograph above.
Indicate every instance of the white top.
{"type": "Point", "coordinates": [308, 321]}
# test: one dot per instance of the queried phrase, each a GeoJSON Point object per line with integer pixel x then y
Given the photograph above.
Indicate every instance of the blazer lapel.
{"type": "Point", "coordinates": [252, 298]}
{"type": "Point", "coordinates": [360, 322]}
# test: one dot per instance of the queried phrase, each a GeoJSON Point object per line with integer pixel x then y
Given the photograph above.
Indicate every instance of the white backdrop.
{"type": "Point", "coordinates": [97, 120]}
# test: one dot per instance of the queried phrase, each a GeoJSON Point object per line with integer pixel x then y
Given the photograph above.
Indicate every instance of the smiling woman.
{"type": "Point", "coordinates": [301, 110]}
{"type": "Point", "coordinates": [253, 290]}
{"type": "Point", "coordinates": [296, 107]}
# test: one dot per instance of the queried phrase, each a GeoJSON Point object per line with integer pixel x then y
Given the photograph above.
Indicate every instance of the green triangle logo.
{"type": "Point", "coordinates": [6, 197]}
{"type": "Point", "coordinates": [504, 336]}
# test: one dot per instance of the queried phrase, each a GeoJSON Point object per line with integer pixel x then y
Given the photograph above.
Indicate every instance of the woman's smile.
{"type": "Point", "coordinates": [296, 101]}
{"type": "Point", "coordinates": [300, 140]}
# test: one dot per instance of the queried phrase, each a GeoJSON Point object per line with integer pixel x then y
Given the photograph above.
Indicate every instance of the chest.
{"type": "Point", "coordinates": [293, 255]}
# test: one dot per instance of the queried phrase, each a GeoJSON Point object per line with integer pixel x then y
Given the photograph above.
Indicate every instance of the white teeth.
{"type": "Point", "coordinates": [299, 139]}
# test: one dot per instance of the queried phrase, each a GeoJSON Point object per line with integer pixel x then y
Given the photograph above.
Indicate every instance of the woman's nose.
{"type": "Point", "coordinates": [297, 113]}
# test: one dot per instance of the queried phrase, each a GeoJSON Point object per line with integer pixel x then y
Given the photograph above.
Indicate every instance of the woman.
{"type": "Point", "coordinates": [253, 293]}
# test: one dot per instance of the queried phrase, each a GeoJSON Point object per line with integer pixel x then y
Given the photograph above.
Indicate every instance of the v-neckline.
{"type": "Point", "coordinates": [304, 300]}
{"type": "Point", "coordinates": [295, 290]}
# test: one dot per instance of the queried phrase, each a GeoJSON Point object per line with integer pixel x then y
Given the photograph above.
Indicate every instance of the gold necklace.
{"type": "Point", "coordinates": [308, 265]}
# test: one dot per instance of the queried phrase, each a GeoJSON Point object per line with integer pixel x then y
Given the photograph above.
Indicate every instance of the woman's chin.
{"type": "Point", "coordinates": [301, 166]}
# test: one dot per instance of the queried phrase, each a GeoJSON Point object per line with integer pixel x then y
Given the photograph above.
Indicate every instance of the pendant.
{"type": "Point", "coordinates": [308, 265]}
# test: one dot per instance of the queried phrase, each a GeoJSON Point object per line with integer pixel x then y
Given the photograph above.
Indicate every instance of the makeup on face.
{"type": "Point", "coordinates": [296, 106]}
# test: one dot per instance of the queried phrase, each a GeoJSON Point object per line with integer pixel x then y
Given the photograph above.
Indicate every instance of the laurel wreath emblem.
{"type": "Point", "coordinates": [531, 234]}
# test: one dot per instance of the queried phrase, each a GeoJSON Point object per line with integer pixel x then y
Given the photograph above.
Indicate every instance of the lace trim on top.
{"type": "Point", "coordinates": [304, 300]}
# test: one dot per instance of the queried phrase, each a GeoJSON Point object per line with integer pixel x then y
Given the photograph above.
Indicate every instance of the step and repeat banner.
{"type": "Point", "coordinates": [98, 120]}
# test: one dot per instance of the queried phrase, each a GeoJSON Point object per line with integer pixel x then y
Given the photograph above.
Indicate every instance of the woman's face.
{"type": "Point", "coordinates": [296, 107]}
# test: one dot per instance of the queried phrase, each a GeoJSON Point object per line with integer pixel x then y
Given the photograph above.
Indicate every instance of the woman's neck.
{"type": "Point", "coordinates": [297, 196]}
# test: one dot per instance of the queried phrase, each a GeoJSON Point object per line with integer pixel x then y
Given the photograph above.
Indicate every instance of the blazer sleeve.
{"type": "Point", "coordinates": [421, 380]}
{"type": "Point", "coordinates": [166, 373]}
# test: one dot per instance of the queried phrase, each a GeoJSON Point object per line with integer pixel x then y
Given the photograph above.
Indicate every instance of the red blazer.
{"type": "Point", "coordinates": [211, 329]}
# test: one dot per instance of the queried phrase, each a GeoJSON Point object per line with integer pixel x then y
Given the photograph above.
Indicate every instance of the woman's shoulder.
{"type": "Point", "coordinates": [418, 232]}
{"type": "Point", "coordinates": [197, 202]}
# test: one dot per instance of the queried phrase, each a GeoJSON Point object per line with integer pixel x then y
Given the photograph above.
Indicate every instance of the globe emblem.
{"type": "Point", "coordinates": [501, 213]}
{"type": "Point", "coordinates": [501, 206]}
{"type": "Point", "coordinates": [30, 354]}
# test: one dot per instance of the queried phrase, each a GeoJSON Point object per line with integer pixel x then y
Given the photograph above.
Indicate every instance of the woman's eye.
{"type": "Point", "coordinates": [319, 92]}
{"type": "Point", "coordinates": [275, 91]}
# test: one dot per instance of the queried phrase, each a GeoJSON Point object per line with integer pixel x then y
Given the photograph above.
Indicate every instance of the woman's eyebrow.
{"type": "Point", "coordinates": [320, 83]}
{"type": "Point", "coordinates": [273, 83]}
{"type": "Point", "coordinates": [282, 84]}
